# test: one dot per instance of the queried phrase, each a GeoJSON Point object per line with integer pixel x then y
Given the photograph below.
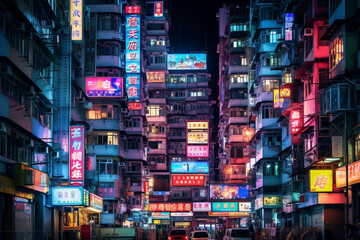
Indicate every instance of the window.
{"type": "Point", "coordinates": [101, 112]}
{"type": "Point", "coordinates": [237, 43]}
{"type": "Point", "coordinates": [134, 167]}
{"type": "Point", "coordinates": [156, 129]}
{"type": "Point", "coordinates": [155, 26]}
{"type": "Point", "coordinates": [202, 193]}
{"type": "Point", "coordinates": [156, 42]}
{"type": "Point", "coordinates": [133, 144]}
{"type": "Point", "coordinates": [270, 36]}
{"type": "Point", "coordinates": [239, 94]}
{"type": "Point", "coordinates": [287, 78]}
{"type": "Point", "coordinates": [336, 51]}
{"type": "Point", "coordinates": [154, 111]}
{"type": "Point", "coordinates": [321, 31]}
{"type": "Point", "coordinates": [102, 138]}
{"type": "Point", "coordinates": [238, 113]}
{"type": "Point", "coordinates": [269, 112]}
{"type": "Point", "coordinates": [269, 84]}
{"type": "Point", "coordinates": [177, 93]}
{"type": "Point", "coordinates": [177, 79]}
{"type": "Point", "coordinates": [157, 59]}
{"type": "Point", "coordinates": [108, 48]}
{"type": "Point", "coordinates": [194, 93]}
{"type": "Point", "coordinates": [155, 145]}
{"type": "Point", "coordinates": [271, 169]}
{"type": "Point", "coordinates": [239, 27]}
{"type": "Point", "coordinates": [110, 206]}
{"type": "Point", "coordinates": [271, 140]}
{"type": "Point", "coordinates": [269, 13]}
{"type": "Point", "coordinates": [271, 60]}
{"type": "Point", "coordinates": [108, 22]}
{"type": "Point", "coordinates": [357, 147]}
{"type": "Point", "coordinates": [243, 78]}
{"type": "Point", "coordinates": [238, 61]}
{"type": "Point", "coordinates": [132, 122]}
{"type": "Point", "coordinates": [107, 166]}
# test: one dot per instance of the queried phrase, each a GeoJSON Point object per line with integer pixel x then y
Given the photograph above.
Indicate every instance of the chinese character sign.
{"type": "Point", "coordinates": [146, 187]}
{"type": "Point", "coordinates": [197, 139]}
{"type": "Point", "coordinates": [134, 106]}
{"type": "Point", "coordinates": [76, 164]}
{"type": "Point", "coordinates": [155, 76]}
{"type": "Point", "coordinates": [133, 86]}
{"type": "Point", "coordinates": [197, 151]}
{"type": "Point", "coordinates": [104, 87]}
{"type": "Point", "coordinates": [187, 180]}
{"type": "Point", "coordinates": [132, 10]}
{"type": "Point", "coordinates": [170, 207]}
{"type": "Point", "coordinates": [321, 180]}
{"type": "Point", "coordinates": [76, 15]}
{"type": "Point", "coordinates": [132, 43]}
{"type": "Point", "coordinates": [285, 93]}
{"type": "Point", "coordinates": [201, 206]}
{"type": "Point", "coordinates": [353, 175]}
{"type": "Point", "coordinates": [244, 206]}
{"type": "Point", "coordinates": [158, 9]}
{"type": "Point", "coordinates": [278, 101]}
{"type": "Point", "coordinates": [67, 196]}
{"type": "Point", "coordinates": [225, 206]}
{"type": "Point", "coordinates": [289, 21]}
{"type": "Point", "coordinates": [296, 121]}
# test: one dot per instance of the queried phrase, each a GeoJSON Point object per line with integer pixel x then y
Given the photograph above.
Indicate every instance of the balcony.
{"type": "Point", "coordinates": [40, 130]}
{"type": "Point", "coordinates": [134, 130]}
{"type": "Point", "coordinates": [238, 69]}
{"type": "Point", "coordinates": [103, 150]}
{"type": "Point", "coordinates": [236, 138]}
{"type": "Point", "coordinates": [105, 8]}
{"type": "Point", "coordinates": [157, 66]}
{"type": "Point", "coordinates": [239, 160]}
{"type": "Point", "coordinates": [268, 152]}
{"type": "Point", "coordinates": [238, 120]}
{"type": "Point", "coordinates": [157, 135]}
{"type": "Point", "coordinates": [156, 48]}
{"type": "Point", "coordinates": [134, 154]}
{"type": "Point", "coordinates": [176, 151]}
{"type": "Point", "coordinates": [269, 123]}
{"type": "Point", "coordinates": [108, 34]}
{"type": "Point", "coordinates": [108, 61]}
{"type": "Point", "coordinates": [175, 98]}
{"type": "Point", "coordinates": [177, 125]}
{"type": "Point", "coordinates": [197, 85]}
{"type": "Point", "coordinates": [238, 34]}
{"type": "Point", "coordinates": [158, 151]}
{"type": "Point", "coordinates": [175, 85]}
{"type": "Point", "coordinates": [237, 50]}
{"type": "Point", "coordinates": [108, 177]}
{"type": "Point", "coordinates": [104, 124]}
{"type": "Point", "coordinates": [338, 97]}
{"type": "Point", "coordinates": [268, 181]}
{"type": "Point", "coordinates": [156, 85]}
{"type": "Point", "coordinates": [177, 137]}
{"type": "Point", "coordinates": [238, 85]}
{"type": "Point", "coordinates": [270, 24]}
{"type": "Point", "coordinates": [136, 188]}
{"type": "Point", "coordinates": [238, 103]}
{"type": "Point", "coordinates": [265, 96]}
{"type": "Point", "coordinates": [198, 98]}
{"type": "Point", "coordinates": [156, 119]}
{"type": "Point", "coordinates": [157, 101]}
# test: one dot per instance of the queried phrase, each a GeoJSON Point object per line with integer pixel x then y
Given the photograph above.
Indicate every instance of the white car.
{"type": "Point", "coordinates": [237, 234]}
{"type": "Point", "coordinates": [199, 235]}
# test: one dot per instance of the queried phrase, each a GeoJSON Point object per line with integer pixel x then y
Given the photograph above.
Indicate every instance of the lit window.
{"type": "Point", "coordinates": [287, 78]}
{"type": "Point", "coordinates": [269, 84]}
{"type": "Point", "coordinates": [336, 51]}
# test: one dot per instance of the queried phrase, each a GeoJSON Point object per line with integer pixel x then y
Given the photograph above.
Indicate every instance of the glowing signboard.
{"type": "Point", "coordinates": [133, 86]}
{"type": "Point", "coordinates": [76, 19]}
{"type": "Point", "coordinates": [132, 43]}
{"type": "Point", "coordinates": [229, 214]}
{"type": "Point", "coordinates": [170, 207]}
{"type": "Point", "coordinates": [278, 101]}
{"type": "Point", "coordinates": [181, 214]}
{"type": "Point", "coordinates": [244, 206]}
{"type": "Point", "coordinates": [225, 206]}
{"type": "Point", "coordinates": [155, 76]}
{"type": "Point", "coordinates": [273, 201]}
{"type": "Point", "coordinates": [353, 175]}
{"type": "Point", "coordinates": [296, 121]}
{"type": "Point", "coordinates": [201, 206]}
{"type": "Point", "coordinates": [186, 61]}
{"type": "Point", "coordinates": [104, 87]}
{"type": "Point", "coordinates": [289, 22]}
{"type": "Point", "coordinates": [146, 187]}
{"type": "Point", "coordinates": [190, 167]}
{"type": "Point", "coordinates": [259, 202]}
{"type": "Point", "coordinates": [76, 164]}
{"type": "Point", "coordinates": [134, 106]}
{"type": "Point", "coordinates": [321, 180]}
{"type": "Point", "coordinates": [285, 92]}
{"type": "Point", "coordinates": [218, 191]}
{"type": "Point", "coordinates": [67, 196]}
{"type": "Point", "coordinates": [132, 9]}
{"type": "Point", "coordinates": [197, 139]}
{"type": "Point", "coordinates": [96, 202]}
{"type": "Point", "coordinates": [187, 180]}
{"type": "Point", "coordinates": [160, 215]}
{"type": "Point", "coordinates": [158, 9]}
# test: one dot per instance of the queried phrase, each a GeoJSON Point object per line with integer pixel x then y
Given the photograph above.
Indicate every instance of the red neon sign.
{"type": "Point", "coordinates": [132, 9]}
{"type": "Point", "coordinates": [170, 207]}
{"type": "Point", "coordinates": [188, 180]}
{"type": "Point", "coordinates": [296, 121]}
{"type": "Point", "coordinates": [76, 164]}
{"type": "Point", "coordinates": [134, 106]}
{"type": "Point", "coordinates": [146, 187]}
{"type": "Point", "coordinates": [158, 9]}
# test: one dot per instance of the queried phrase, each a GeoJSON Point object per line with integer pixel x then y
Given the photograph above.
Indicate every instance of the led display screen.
{"type": "Point", "coordinates": [104, 87]}
{"type": "Point", "coordinates": [219, 191]}
{"type": "Point", "coordinates": [190, 167]}
{"type": "Point", "coordinates": [186, 61]}
{"type": "Point", "coordinates": [160, 215]}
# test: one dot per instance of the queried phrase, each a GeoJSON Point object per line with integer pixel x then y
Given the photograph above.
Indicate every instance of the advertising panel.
{"type": "Point", "coordinates": [225, 206]}
{"type": "Point", "coordinates": [229, 214]}
{"type": "Point", "coordinates": [134, 106]}
{"type": "Point", "coordinates": [187, 180]}
{"type": "Point", "coordinates": [132, 44]}
{"type": "Point", "coordinates": [132, 9]}
{"type": "Point", "coordinates": [186, 61]}
{"type": "Point", "coordinates": [76, 19]}
{"type": "Point", "coordinates": [321, 180]}
{"type": "Point", "coordinates": [197, 151]}
{"type": "Point", "coordinates": [229, 191]}
{"type": "Point", "coordinates": [76, 164]}
{"type": "Point", "coordinates": [244, 206]}
{"type": "Point", "coordinates": [158, 9]}
{"type": "Point", "coordinates": [289, 21]}
{"type": "Point", "coordinates": [155, 76]}
{"type": "Point", "coordinates": [41, 180]}
{"type": "Point", "coordinates": [160, 215]}
{"type": "Point", "coordinates": [190, 167]}
{"type": "Point", "coordinates": [181, 214]}
{"type": "Point", "coordinates": [170, 207]}
{"type": "Point", "coordinates": [285, 92]}
{"type": "Point", "coordinates": [104, 87]}
{"type": "Point", "coordinates": [296, 121]}
{"type": "Point", "coordinates": [273, 201]}
{"type": "Point", "coordinates": [96, 202]}
{"type": "Point", "coordinates": [197, 139]}
{"type": "Point", "coordinates": [353, 175]}
{"type": "Point", "coordinates": [201, 206]}
{"type": "Point", "coordinates": [133, 86]}
{"type": "Point", "coordinates": [259, 202]}
{"type": "Point", "coordinates": [146, 187]}
{"type": "Point", "coordinates": [278, 101]}
{"type": "Point", "coordinates": [67, 196]}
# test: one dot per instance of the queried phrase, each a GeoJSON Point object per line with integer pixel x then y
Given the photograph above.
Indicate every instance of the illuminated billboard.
{"type": "Point", "coordinates": [259, 202]}
{"type": "Point", "coordinates": [104, 87]}
{"type": "Point", "coordinates": [170, 207]}
{"type": "Point", "coordinates": [132, 44]}
{"type": "Point", "coordinates": [76, 20]}
{"type": "Point", "coordinates": [69, 196]}
{"type": "Point", "coordinates": [133, 86]}
{"type": "Point", "coordinates": [201, 206]}
{"type": "Point", "coordinates": [190, 167]}
{"type": "Point", "coordinates": [353, 175]}
{"type": "Point", "coordinates": [76, 155]}
{"type": "Point", "coordinates": [160, 215]}
{"type": "Point", "coordinates": [186, 61]}
{"type": "Point", "coordinates": [296, 121]}
{"type": "Point", "coordinates": [158, 9]}
{"type": "Point", "coordinates": [289, 22]}
{"type": "Point", "coordinates": [197, 139]}
{"type": "Point", "coordinates": [178, 180]}
{"type": "Point", "coordinates": [155, 76]}
{"type": "Point", "coordinates": [285, 92]}
{"type": "Point", "coordinates": [272, 201]}
{"type": "Point", "coordinates": [219, 191]}
{"type": "Point", "coordinates": [96, 202]}
{"type": "Point", "coordinates": [278, 102]}
{"type": "Point", "coordinates": [321, 180]}
{"type": "Point", "coordinates": [229, 214]}
{"type": "Point", "coordinates": [225, 206]}
{"type": "Point", "coordinates": [244, 206]}
{"type": "Point", "coordinates": [132, 9]}
{"type": "Point", "coordinates": [134, 106]}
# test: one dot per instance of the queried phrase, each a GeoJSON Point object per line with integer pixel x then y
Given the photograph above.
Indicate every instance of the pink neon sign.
{"type": "Point", "coordinates": [76, 164]}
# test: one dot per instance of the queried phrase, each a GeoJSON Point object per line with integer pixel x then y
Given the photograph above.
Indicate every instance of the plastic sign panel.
{"type": "Point", "coordinates": [225, 206]}
{"type": "Point", "coordinates": [218, 191]}
{"type": "Point", "coordinates": [273, 201]}
{"type": "Point", "coordinates": [244, 206]}
{"type": "Point", "coordinates": [278, 101]}
{"type": "Point", "coordinates": [353, 175]}
{"type": "Point", "coordinates": [170, 207]}
{"type": "Point", "coordinates": [259, 203]}
{"type": "Point", "coordinates": [96, 202]}
{"type": "Point", "coordinates": [197, 139]}
{"type": "Point", "coordinates": [161, 193]}
{"type": "Point", "coordinates": [296, 121]}
{"type": "Point", "coordinates": [181, 214]}
{"type": "Point", "coordinates": [146, 187]}
{"type": "Point", "coordinates": [133, 86]}
{"type": "Point", "coordinates": [132, 44]}
{"type": "Point", "coordinates": [132, 9]}
{"type": "Point", "coordinates": [76, 19]}
{"type": "Point", "coordinates": [160, 215]}
{"type": "Point", "coordinates": [187, 180]}
{"type": "Point", "coordinates": [158, 9]}
{"type": "Point", "coordinates": [67, 196]}
{"type": "Point", "coordinates": [285, 92]}
{"type": "Point", "coordinates": [201, 206]}
{"type": "Point", "coordinates": [190, 167]}
{"type": "Point", "coordinates": [186, 61]}
{"type": "Point", "coordinates": [104, 87]}
{"type": "Point", "coordinates": [289, 22]}
{"type": "Point", "coordinates": [134, 106]}
{"type": "Point", "coordinates": [155, 76]}
{"type": "Point", "coordinates": [76, 164]}
{"type": "Point", "coordinates": [229, 214]}
{"type": "Point", "coordinates": [321, 180]}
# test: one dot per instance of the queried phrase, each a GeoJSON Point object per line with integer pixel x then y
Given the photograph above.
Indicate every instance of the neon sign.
{"type": "Point", "coordinates": [197, 139]}
{"type": "Point", "coordinates": [296, 121]}
{"type": "Point", "coordinates": [170, 207]}
{"type": "Point", "coordinates": [133, 86]}
{"type": "Point", "coordinates": [321, 180]}
{"type": "Point", "coordinates": [76, 18]}
{"type": "Point", "coordinates": [76, 164]}
{"type": "Point", "coordinates": [158, 9]}
{"type": "Point", "coordinates": [188, 180]}
{"type": "Point", "coordinates": [104, 87]}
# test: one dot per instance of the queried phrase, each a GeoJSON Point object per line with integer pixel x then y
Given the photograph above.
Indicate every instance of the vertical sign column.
{"type": "Point", "coordinates": [76, 18]}
{"type": "Point", "coordinates": [197, 139]}
{"type": "Point", "coordinates": [76, 164]}
{"type": "Point", "coordinates": [133, 53]}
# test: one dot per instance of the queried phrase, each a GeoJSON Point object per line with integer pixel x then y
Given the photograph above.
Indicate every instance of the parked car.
{"type": "Point", "coordinates": [178, 234]}
{"type": "Point", "coordinates": [199, 235]}
{"type": "Point", "coordinates": [237, 234]}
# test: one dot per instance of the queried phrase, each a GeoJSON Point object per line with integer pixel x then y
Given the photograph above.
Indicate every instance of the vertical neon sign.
{"type": "Point", "coordinates": [76, 18]}
{"type": "Point", "coordinates": [76, 164]}
{"type": "Point", "coordinates": [296, 121]}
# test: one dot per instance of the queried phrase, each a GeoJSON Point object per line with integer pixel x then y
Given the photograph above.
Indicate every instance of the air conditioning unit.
{"type": "Point", "coordinates": [308, 32]}
{"type": "Point", "coordinates": [55, 154]}
{"type": "Point", "coordinates": [5, 70]}
{"type": "Point", "coordinates": [29, 177]}
{"type": "Point", "coordinates": [2, 128]}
